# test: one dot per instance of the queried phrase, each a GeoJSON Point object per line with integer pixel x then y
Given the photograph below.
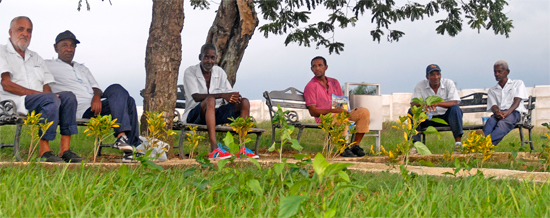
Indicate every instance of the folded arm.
{"type": "Point", "coordinates": [15, 88]}
{"type": "Point", "coordinates": [231, 97]}
{"type": "Point", "coordinates": [313, 111]}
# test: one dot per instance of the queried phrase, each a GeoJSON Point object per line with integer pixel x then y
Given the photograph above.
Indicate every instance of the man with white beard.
{"type": "Point", "coordinates": [25, 79]}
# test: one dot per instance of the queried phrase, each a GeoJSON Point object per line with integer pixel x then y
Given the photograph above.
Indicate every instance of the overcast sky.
{"type": "Point", "coordinates": [113, 40]}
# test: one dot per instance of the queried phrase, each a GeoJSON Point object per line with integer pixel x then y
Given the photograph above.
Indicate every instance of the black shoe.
{"type": "Point", "coordinates": [357, 150]}
{"type": "Point", "coordinates": [129, 157]}
{"type": "Point", "coordinates": [48, 156]}
{"type": "Point", "coordinates": [348, 153]}
{"type": "Point", "coordinates": [122, 144]}
{"type": "Point", "coordinates": [70, 157]}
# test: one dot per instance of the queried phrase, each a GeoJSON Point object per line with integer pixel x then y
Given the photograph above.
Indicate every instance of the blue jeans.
{"type": "Point", "coordinates": [453, 117]}
{"type": "Point", "coordinates": [61, 110]}
{"type": "Point", "coordinates": [121, 106]}
{"type": "Point", "coordinates": [499, 128]}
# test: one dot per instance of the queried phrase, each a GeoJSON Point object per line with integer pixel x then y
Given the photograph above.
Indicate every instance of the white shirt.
{"type": "Point", "coordinates": [77, 79]}
{"type": "Point", "coordinates": [194, 82]}
{"type": "Point", "coordinates": [29, 72]}
{"type": "Point", "coordinates": [447, 91]}
{"type": "Point", "coordinates": [504, 97]}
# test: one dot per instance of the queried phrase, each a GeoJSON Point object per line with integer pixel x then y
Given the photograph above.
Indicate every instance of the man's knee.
{"type": "Point", "coordinates": [116, 89]}
{"type": "Point", "coordinates": [208, 102]}
{"type": "Point", "coordinates": [245, 103]}
{"type": "Point", "coordinates": [455, 109]}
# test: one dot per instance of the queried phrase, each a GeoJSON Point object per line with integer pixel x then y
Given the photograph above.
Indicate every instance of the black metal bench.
{"type": "Point", "coordinates": [9, 116]}
{"type": "Point", "coordinates": [477, 102]}
{"type": "Point", "coordinates": [288, 98]}
{"type": "Point", "coordinates": [179, 124]}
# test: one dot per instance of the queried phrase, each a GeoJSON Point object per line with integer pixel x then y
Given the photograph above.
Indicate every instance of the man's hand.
{"type": "Point", "coordinates": [233, 97]}
{"type": "Point", "coordinates": [96, 105]}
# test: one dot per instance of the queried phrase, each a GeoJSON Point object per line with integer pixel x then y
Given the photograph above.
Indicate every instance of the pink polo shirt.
{"type": "Point", "coordinates": [316, 94]}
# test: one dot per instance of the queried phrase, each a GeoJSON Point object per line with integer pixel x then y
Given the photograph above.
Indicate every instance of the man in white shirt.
{"type": "Point", "coordinates": [447, 110]}
{"type": "Point", "coordinates": [25, 80]}
{"type": "Point", "coordinates": [72, 76]}
{"type": "Point", "coordinates": [505, 101]}
{"type": "Point", "coordinates": [210, 100]}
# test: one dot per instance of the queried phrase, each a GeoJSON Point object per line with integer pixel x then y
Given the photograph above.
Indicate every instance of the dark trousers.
{"type": "Point", "coordinates": [499, 128]}
{"type": "Point", "coordinates": [121, 106]}
{"type": "Point", "coordinates": [453, 116]}
{"type": "Point", "coordinates": [61, 110]}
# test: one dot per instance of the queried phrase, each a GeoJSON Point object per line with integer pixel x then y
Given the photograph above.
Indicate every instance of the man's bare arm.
{"type": "Point", "coordinates": [313, 111]}
{"type": "Point", "coordinates": [231, 97]}
{"type": "Point", "coordinates": [14, 88]}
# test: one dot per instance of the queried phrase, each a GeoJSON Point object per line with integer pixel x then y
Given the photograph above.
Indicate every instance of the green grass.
{"type": "Point", "coordinates": [37, 190]}
{"type": "Point", "coordinates": [311, 140]}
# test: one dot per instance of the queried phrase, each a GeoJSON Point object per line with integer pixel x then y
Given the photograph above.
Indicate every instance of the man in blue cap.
{"type": "Point", "coordinates": [73, 76]}
{"type": "Point", "coordinates": [447, 110]}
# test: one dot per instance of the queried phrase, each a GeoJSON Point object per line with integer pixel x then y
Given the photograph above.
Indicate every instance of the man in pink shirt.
{"type": "Point", "coordinates": [318, 97]}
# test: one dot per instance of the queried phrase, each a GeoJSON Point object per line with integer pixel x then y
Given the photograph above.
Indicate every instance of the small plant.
{"type": "Point", "coordinates": [33, 120]}
{"type": "Point", "coordinates": [285, 132]}
{"type": "Point", "coordinates": [193, 139]}
{"type": "Point", "coordinates": [156, 133]}
{"type": "Point", "coordinates": [408, 124]}
{"type": "Point", "coordinates": [336, 127]}
{"type": "Point", "coordinates": [545, 153]}
{"type": "Point", "coordinates": [477, 143]}
{"type": "Point", "coordinates": [100, 127]}
{"type": "Point", "coordinates": [242, 126]}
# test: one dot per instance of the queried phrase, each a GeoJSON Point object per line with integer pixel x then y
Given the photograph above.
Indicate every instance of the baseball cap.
{"type": "Point", "coordinates": [432, 67]}
{"type": "Point", "coordinates": [66, 35]}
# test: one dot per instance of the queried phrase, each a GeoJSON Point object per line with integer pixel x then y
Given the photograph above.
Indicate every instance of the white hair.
{"type": "Point", "coordinates": [503, 64]}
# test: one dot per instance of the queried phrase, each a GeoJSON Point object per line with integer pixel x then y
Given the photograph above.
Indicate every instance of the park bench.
{"type": "Point", "coordinates": [182, 126]}
{"type": "Point", "coordinates": [477, 103]}
{"type": "Point", "coordinates": [9, 116]}
{"type": "Point", "coordinates": [288, 98]}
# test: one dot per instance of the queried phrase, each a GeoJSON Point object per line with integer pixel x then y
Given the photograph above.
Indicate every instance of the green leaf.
{"type": "Point", "coordinates": [433, 99]}
{"type": "Point", "coordinates": [153, 166]}
{"type": "Point", "coordinates": [222, 163]}
{"type": "Point", "coordinates": [319, 165]}
{"type": "Point", "coordinates": [278, 167]}
{"type": "Point", "coordinates": [344, 176]}
{"type": "Point", "coordinates": [439, 120]}
{"type": "Point", "coordinates": [289, 206]}
{"type": "Point", "coordinates": [417, 100]}
{"type": "Point", "coordinates": [421, 148]}
{"type": "Point", "coordinates": [432, 130]}
{"type": "Point", "coordinates": [330, 213]}
{"type": "Point", "coordinates": [335, 168]}
{"type": "Point", "coordinates": [255, 162]}
{"type": "Point", "coordinates": [272, 148]}
{"type": "Point", "coordinates": [255, 186]}
{"type": "Point", "coordinates": [294, 189]}
{"type": "Point", "coordinates": [296, 145]}
{"type": "Point", "coordinates": [426, 163]}
{"type": "Point", "coordinates": [188, 172]}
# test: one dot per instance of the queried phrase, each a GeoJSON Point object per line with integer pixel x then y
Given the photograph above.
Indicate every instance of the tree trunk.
{"type": "Point", "coordinates": [162, 61]}
{"type": "Point", "coordinates": [233, 27]}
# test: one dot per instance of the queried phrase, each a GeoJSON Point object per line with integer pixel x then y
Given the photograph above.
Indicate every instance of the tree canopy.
{"type": "Point", "coordinates": [292, 18]}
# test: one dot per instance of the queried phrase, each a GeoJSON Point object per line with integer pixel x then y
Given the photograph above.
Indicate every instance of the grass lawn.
{"type": "Point", "coordinates": [243, 190]}
{"type": "Point", "coordinates": [311, 140]}
{"type": "Point", "coordinates": [37, 190]}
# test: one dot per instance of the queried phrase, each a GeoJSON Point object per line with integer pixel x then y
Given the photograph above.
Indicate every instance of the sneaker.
{"type": "Point", "coordinates": [348, 153]}
{"type": "Point", "coordinates": [48, 156]}
{"type": "Point", "coordinates": [414, 151]}
{"type": "Point", "coordinates": [247, 153]}
{"type": "Point", "coordinates": [357, 150]}
{"type": "Point", "coordinates": [219, 154]}
{"type": "Point", "coordinates": [128, 157]}
{"type": "Point", "coordinates": [458, 148]}
{"type": "Point", "coordinates": [70, 157]}
{"type": "Point", "coordinates": [122, 144]}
